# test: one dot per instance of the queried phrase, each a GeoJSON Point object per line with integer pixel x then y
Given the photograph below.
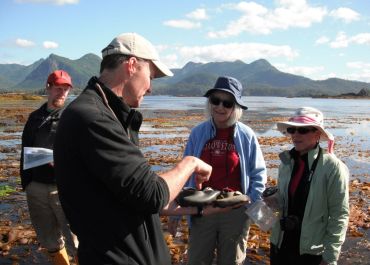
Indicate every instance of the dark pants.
{"type": "Point", "coordinates": [87, 255]}
{"type": "Point", "coordinates": [286, 256]}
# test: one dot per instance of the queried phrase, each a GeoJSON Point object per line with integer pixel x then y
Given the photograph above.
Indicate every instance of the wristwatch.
{"type": "Point", "coordinates": [200, 211]}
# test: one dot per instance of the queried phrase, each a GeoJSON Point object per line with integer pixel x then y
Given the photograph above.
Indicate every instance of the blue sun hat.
{"type": "Point", "coordinates": [230, 85]}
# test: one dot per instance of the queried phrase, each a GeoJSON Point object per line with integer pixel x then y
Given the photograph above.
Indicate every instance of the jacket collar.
{"type": "Point", "coordinates": [214, 129]}
{"type": "Point", "coordinates": [114, 101]}
{"type": "Point", "coordinates": [287, 157]}
{"type": "Point", "coordinates": [129, 117]}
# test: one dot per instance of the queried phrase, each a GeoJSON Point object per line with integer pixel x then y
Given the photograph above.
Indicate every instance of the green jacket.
{"type": "Point", "coordinates": [326, 215]}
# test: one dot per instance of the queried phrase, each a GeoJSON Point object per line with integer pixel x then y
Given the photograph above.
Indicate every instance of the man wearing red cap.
{"type": "Point", "coordinates": [39, 182]}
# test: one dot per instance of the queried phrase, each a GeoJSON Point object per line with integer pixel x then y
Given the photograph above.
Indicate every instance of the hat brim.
{"type": "Point", "coordinates": [238, 101]}
{"type": "Point", "coordinates": [162, 69]}
{"type": "Point", "coordinates": [325, 135]}
{"type": "Point", "coordinates": [61, 83]}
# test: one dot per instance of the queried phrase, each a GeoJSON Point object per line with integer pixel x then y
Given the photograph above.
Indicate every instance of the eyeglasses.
{"type": "Point", "coordinates": [225, 103]}
{"type": "Point", "coordinates": [300, 130]}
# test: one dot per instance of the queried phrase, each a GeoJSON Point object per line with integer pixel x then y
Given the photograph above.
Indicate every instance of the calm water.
{"type": "Point", "coordinates": [274, 104]}
{"type": "Point", "coordinates": [345, 116]}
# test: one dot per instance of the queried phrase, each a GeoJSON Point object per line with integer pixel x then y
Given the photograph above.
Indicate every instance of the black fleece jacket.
{"type": "Point", "coordinates": [39, 131]}
{"type": "Point", "coordinates": [108, 191]}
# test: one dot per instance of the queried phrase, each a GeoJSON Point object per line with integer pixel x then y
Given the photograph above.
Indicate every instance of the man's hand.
{"type": "Point", "coordinates": [202, 173]}
{"type": "Point", "coordinates": [177, 176]}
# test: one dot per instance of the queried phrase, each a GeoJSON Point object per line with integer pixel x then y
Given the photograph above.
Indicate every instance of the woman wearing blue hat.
{"type": "Point", "coordinates": [233, 151]}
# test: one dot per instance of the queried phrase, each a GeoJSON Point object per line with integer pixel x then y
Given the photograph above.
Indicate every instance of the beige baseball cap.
{"type": "Point", "coordinates": [136, 45]}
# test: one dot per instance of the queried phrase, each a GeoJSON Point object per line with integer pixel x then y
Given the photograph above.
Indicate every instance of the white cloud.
{"type": "Point", "coordinates": [342, 40]}
{"type": "Point", "coordinates": [258, 19]}
{"type": "Point", "coordinates": [54, 2]}
{"type": "Point", "coordinates": [329, 75]}
{"type": "Point", "coordinates": [234, 51]}
{"type": "Point", "coordinates": [300, 70]}
{"type": "Point", "coordinates": [358, 65]}
{"type": "Point", "coordinates": [198, 14]}
{"type": "Point", "coordinates": [332, 75]}
{"type": "Point", "coordinates": [250, 8]}
{"type": "Point", "coordinates": [363, 73]}
{"type": "Point", "coordinates": [50, 45]}
{"type": "Point", "coordinates": [182, 23]}
{"type": "Point", "coordinates": [161, 47]}
{"type": "Point", "coordinates": [346, 14]}
{"type": "Point", "coordinates": [322, 40]}
{"type": "Point", "coordinates": [24, 43]}
{"type": "Point", "coordinates": [358, 70]}
{"type": "Point", "coordinates": [362, 38]}
{"type": "Point", "coordinates": [362, 76]}
{"type": "Point", "coordinates": [171, 60]}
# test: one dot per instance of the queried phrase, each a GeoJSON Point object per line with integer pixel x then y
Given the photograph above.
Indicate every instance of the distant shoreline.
{"type": "Point", "coordinates": [20, 96]}
{"type": "Point", "coordinates": [362, 94]}
{"type": "Point", "coordinates": [35, 96]}
{"type": "Point", "coordinates": [342, 97]}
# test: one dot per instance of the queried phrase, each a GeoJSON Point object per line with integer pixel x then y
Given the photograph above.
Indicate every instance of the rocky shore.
{"type": "Point", "coordinates": [18, 244]}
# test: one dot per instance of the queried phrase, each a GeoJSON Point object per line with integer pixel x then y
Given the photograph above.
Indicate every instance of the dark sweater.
{"type": "Point", "coordinates": [297, 204]}
{"type": "Point", "coordinates": [39, 131]}
{"type": "Point", "coordinates": [108, 191]}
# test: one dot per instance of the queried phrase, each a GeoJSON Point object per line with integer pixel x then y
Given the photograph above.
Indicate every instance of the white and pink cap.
{"type": "Point", "coordinates": [307, 116]}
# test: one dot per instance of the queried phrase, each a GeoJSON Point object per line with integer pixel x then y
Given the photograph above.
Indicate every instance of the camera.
{"type": "Point", "coordinates": [290, 223]}
{"type": "Point", "coordinates": [269, 191]}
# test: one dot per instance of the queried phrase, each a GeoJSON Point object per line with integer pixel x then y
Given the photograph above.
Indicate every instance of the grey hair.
{"type": "Point", "coordinates": [234, 117]}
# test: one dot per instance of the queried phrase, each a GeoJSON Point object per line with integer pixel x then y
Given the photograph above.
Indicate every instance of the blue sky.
{"type": "Point", "coordinates": [314, 38]}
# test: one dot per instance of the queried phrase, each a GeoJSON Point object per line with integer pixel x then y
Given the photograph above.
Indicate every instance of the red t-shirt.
{"type": "Point", "coordinates": [220, 153]}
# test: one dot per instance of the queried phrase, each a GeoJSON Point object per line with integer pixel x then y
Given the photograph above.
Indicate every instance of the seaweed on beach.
{"type": "Point", "coordinates": [18, 243]}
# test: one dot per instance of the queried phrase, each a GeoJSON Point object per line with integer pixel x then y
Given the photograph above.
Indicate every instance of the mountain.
{"type": "Point", "coordinates": [11, 74]}
{"type": "Point", "coordinates": [33, 77]}
{"type": "Point", "coordinates": [259, 77]}
{"type": "Point", "coordinates": [80, 70]}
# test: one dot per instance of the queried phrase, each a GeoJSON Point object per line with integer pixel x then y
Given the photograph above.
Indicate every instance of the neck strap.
{"type": "Point", "coordinates": [314, 164]}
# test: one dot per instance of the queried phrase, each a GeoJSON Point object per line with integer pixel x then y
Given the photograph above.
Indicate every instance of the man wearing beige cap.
{"type": "Point", "coordinates": [108, 191]}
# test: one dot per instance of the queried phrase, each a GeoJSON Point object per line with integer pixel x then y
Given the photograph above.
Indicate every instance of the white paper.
{"type": "Point", "coordinates": [35, 156]}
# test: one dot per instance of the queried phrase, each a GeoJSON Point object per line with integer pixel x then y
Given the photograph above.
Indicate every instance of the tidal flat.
{"type": "Point", "coordinates": [162, 140]}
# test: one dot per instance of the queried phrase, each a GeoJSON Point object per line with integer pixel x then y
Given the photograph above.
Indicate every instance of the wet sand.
{"type": "Point", "coordinates": [163, 137]}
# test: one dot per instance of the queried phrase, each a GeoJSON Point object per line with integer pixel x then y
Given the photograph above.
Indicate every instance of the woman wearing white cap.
{"type": "Point", "coordinates": [313, 194]}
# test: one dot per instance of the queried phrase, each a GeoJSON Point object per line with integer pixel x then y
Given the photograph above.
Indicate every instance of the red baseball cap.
{"type": "Point", "coordinates": [59, 77]}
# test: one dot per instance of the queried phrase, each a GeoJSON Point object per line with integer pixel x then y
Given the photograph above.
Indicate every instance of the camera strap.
{"type": "Point", "coordinates": [314, 164]}
{"type": "Point", "coordinates": [54, 115]}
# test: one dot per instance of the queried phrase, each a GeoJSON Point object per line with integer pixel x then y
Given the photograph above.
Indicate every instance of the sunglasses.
{"type": "Point", "coordinates": [226, 103]}
{"type": "Point", "coordinates": [300, 130]}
